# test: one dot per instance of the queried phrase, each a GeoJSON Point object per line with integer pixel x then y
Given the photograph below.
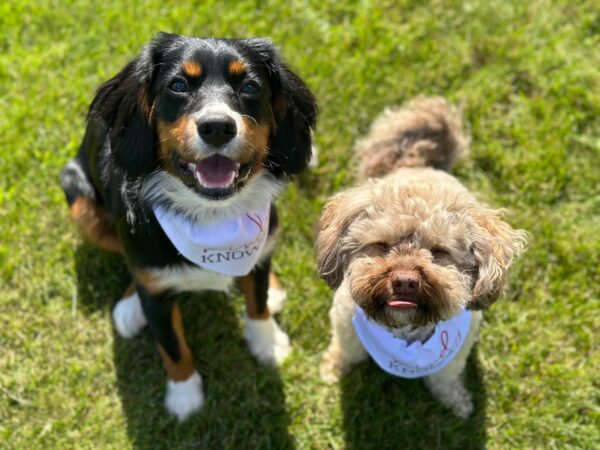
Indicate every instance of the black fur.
{"type": "Point", "coordinates": [295, 112]}
{"type": "Point", "coordinates": [120, 146]}
{"type": "Point", "coordinates": [260, 273]}
{"type": "Point", "coordinates": [158, 310]}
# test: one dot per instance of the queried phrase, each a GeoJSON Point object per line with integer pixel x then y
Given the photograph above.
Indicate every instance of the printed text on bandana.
{"type": "Point", "coordinates": [212, 256]}
{"type": "Point", "coordinates": [229, 247]}
{"type": "Point", "coordinates": [396, 356]}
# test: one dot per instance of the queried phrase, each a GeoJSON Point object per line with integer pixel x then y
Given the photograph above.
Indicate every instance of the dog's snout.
{"type": "Point", "coordinates": [217, 130]}
{"type": "Point", "coordinates": [405, 282]}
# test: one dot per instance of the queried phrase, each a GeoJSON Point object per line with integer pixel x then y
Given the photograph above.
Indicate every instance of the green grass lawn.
{"type": "Point", "coordinates": [527, 77]}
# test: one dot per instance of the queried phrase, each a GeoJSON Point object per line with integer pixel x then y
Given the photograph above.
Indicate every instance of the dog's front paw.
{"type": "Point", "coordinates": [184, 397]}
{"type": "Point", "coordinates": [128, 316]}
{"type": "Point", "coordinates": [332, 368]}
{"type": "Point", "coordinates": [275, 299]}
{"type": "Point", "coordinates": [462, 406]}
{"type": "Point", "coordinates": [267, 342]}
{"type": "Point", "coordinates": [451, 392]}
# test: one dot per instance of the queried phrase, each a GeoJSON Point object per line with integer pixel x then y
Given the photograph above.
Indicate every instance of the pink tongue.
{"type": "Point", "coordinates": [216, 171]}
{"type": "Point", "coordinates": [402, 304]}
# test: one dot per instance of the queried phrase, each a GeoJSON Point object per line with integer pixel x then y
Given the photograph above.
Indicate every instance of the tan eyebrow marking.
{"type": "Point", "coordinates": [237, 67]}
{"type": "Point", "coordinates": [192, 69]}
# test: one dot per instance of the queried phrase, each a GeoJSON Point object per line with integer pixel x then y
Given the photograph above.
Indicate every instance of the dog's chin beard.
{"type": "Point", "coordinates": [392, 317]}
{"type": "Point", "coordinates": [393, 311]}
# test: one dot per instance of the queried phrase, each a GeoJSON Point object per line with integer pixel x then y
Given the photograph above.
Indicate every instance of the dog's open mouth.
{"type": "Point", "coordinates": [215, 177]}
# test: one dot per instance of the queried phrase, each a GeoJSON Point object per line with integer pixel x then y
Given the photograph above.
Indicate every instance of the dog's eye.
{"type": "Point", "coordinates": [178, 86]}
{"type": "Point", "coordinates": [379, 247]}
{"type": "Point", "coordinates": [439, 252]}
{"type": "Point", "coordinates": [250, 88]}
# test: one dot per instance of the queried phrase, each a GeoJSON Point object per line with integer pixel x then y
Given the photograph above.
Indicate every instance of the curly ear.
{"type": "Point", "coordinates": [495, 244]}
{"type": "Point", "coordinates": [333, 251]}
{"type": "Point", "coordinates": [124, 105]}
{"type": "Point", "coordinates": [294, 109]}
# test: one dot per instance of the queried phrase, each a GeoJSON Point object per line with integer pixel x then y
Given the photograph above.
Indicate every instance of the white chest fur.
{"type": "Point", "coordinates": [189, 277]}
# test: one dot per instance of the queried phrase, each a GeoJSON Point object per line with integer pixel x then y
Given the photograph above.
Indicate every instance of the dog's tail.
{"type": "Point", "coordinates": [75, 177]}
{"type": "Point", "coordinates": [426, 132]}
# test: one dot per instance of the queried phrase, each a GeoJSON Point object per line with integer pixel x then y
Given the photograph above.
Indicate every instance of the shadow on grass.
{"type": "Point", "coordinates": [101, 278]}
{"type": "Point", "coordinates": [244, 402]}
{"type": "Point", "coordinates": [385, 412]}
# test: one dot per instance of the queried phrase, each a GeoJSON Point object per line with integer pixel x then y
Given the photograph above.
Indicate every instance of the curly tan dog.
{"type": "Point", "coordinates": [412, 256]}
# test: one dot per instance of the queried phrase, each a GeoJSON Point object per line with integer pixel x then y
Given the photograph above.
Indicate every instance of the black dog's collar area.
{"type": "Point", "coordinates": [187, 172]}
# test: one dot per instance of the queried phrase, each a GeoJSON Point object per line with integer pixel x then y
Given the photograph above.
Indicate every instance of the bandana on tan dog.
{"type": "Point", "coordinates": [412, 249]}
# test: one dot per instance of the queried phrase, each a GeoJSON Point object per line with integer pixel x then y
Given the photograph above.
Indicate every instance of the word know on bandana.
{"type": "Point", "coordinates": [230, 247]}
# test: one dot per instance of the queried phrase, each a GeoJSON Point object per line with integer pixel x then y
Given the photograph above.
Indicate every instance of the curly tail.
{"type": "Point", "coordinates": [426, 132]}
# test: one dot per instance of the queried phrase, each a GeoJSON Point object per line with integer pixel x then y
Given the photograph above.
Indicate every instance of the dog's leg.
{"type": "Point", "coordinates": [345, 349]}
{"type": "Point", "coordinates": [94, 220]}
{"type": "Point", "coordinates": [276, 295]}
{"type": "Point", "coordinates": [184, 385]}
{"type": "Point", "coordinates": [448, 385]}
{"type": "Point", "coordinates": [267, 342]}
{"type": "Point", "coordinates": [96, 224]}
{"type": "Point", "coordinates": [128, 315]}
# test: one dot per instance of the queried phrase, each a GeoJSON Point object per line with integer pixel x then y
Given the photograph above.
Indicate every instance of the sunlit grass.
{"type": "Point", "coordinates": [526, 75]}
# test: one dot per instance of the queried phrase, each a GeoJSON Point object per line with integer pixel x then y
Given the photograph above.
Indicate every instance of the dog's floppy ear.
{"type": "Point", "coordinates": [333, 250]}
{"type": "Point", "coordinates": [294, 109]}
{"type": "Point", "coordinates": [494, 245]}
{"type": "Point", "coordinates": [124, 105]}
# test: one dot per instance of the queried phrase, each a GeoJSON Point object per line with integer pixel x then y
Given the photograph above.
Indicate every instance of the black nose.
{"type": "Point", "coordinates": [217, 130]}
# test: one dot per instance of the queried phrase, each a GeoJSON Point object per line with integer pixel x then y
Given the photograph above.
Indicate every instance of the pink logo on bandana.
{"type": "Point", "coordinates": [231, 247]}
{"type": "Point", "coordinates": [418, 359]}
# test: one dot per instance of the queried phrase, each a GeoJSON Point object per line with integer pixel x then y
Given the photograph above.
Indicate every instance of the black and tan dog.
{"type": "Point", "coordinates": [184, 153]}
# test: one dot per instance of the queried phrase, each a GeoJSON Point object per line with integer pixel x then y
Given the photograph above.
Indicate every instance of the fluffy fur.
{"type": "Point", "coordinates": [184, 397]}
{"type": "Point", "coordinates": [414, 247]}
{"type": "Point", "coordinates": [208, 129]}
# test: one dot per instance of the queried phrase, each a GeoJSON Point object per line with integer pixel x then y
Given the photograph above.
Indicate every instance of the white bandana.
{"type": "Point", "coordinates": [231, 247]}
{"type": "Point", "coordinates": [418, 359]}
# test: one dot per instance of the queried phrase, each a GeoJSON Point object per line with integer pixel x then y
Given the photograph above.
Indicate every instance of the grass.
{"type": "Point", "coordinates": [526, 75]}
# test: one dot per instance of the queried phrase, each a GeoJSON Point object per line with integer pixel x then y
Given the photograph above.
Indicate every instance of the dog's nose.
{"type": "Point", "coordinates": [406, 283]}
{"type": "Point", "coordinates": [217, 130]}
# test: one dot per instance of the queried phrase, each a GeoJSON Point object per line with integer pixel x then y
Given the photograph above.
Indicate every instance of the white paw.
{"type": "Point", "coordinates": [463, 407]}
{"type": "Point", "coordinates": [451, 393]}
{"type": "Point", "coordinates": [184, 397]}
{"type": "Point", "coordinates": [267, 342]}
{"type": "Point", "coordinates": [275, 299]}
{"type": "Point", "coordinates": [129, 317]}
